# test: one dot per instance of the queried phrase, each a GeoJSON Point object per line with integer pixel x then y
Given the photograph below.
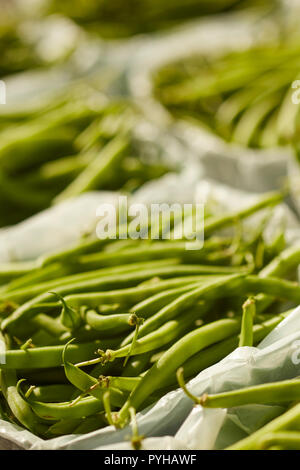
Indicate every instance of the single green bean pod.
{"type": "Point", "coordinates": [275, 392]}
{"type": "Point", "coordinates": [246, 336]}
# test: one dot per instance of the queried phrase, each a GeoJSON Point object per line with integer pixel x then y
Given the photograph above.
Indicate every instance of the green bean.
{"type": "Point", "coordinates": [246, 336]}
{"type": "Point", "coordinates": [254, 116]}
{"type": "Point", "coordinates": [127, 296]}
{"type": "Point", "coordinates": [169, 362]}
{"type": "Point", "coordinates": [276, 392]}
{"type": "Point", "coordinates": [89, 246]}
{"type": "Point", "coordinates": [154, 303]}
{"type": "Point", "coordinates": [60, 171]}
{"type": "Point", "coordinates": [279, 266]}
{"type": "Point", "coordinates": [39, 130]}
{"type": "Point", "coordinates": [11, 271]}
{"type": "Point", "coordinates": [251, 284]}
{"type": "Point", "coordinates": [17, 405]}
{"type": "Point", "coordinates": [162, 336]}
{"type": "Point", "coordinates": [182, 385]}
{"type": "Point", "coordinates": [36, 275]}
{"type": "Point", "coordinates": [168, 332]}
{"type": "Point", "coordinates": [237, 110]}
{"type": "Point", "coordinates": [50, 356]}
{"type": "Point", "coordinates": [289, 420]}
{"type": "Point", "coordinates": [78, 426]}
{"type": "Point", "coordinates": [26, 311]}
{"type": "Point", "coordinates": [66, 410]}
{"type": "Point", "coordinates": [277, 288]}
{"type": "Point", "coordinates": [27, 293]}
{"type": "Point", "coordinates": [117, 323]}
{"type": "Point", "coordinates": [53, 393]}
{"type": "Point", "coordinates": [84, 246]}
{"type": "Point", "coordinates": [96, 173]}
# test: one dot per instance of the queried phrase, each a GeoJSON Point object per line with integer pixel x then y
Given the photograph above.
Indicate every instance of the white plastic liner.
{"type": "Point", "coordinates": [53, 229]}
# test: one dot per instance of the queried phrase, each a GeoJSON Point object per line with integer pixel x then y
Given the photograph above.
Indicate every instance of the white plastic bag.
{"type": "Point", "coordinates": [53, 229]}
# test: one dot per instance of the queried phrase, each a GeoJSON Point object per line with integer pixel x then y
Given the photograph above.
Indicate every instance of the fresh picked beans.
{"type": "Point", "coordinates": [113, 324]}
{"type": "Point", "coordinates": [122, 383]}
{"type": "Point", "coordinates": [187, 299]}
{"type": "Point", "coordinates": [99, 329]}
{"type": "Point", "coordinates": [27, 310]}
{"type": "Point", "coordinates": [18, 406]}
{"type": "Point", "coordinates": [234, 285]}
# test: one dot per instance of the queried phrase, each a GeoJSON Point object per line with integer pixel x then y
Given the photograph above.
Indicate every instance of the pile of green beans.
{"type": "Point", "coordinates": [72, 143]}
{"type": "Point", "coordinates": [245, 97]}
{"type": "Point", "coordinates": [97, 331]}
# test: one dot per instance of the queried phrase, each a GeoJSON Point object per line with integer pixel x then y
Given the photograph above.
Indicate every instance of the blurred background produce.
{"type": "Point", "coordinates": [245, 96]}
{"type": "Point", "coordinates": [79, 141]}
{"type": "Point", "coordinates": [119, 18]}
{"type": "Point", "coordinates": [51, 148]}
